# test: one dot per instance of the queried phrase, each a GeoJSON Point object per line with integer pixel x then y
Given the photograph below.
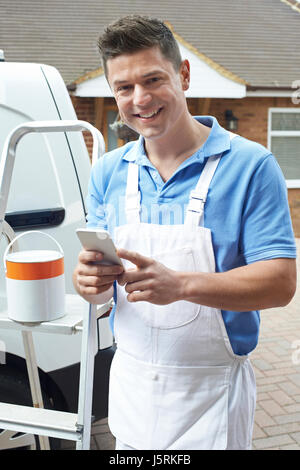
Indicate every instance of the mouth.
{"type": "Point", "coordinates": [149, 115]}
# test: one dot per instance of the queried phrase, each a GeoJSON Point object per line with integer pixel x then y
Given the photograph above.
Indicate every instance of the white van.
{"type": "Point", "coordinates": [47, 193]}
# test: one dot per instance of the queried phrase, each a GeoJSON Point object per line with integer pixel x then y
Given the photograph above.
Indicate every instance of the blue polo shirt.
{"type": "Point", "coordinates": [246, 208]}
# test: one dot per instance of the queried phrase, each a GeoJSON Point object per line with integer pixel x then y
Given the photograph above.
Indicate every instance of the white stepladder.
{"type": "Point", "coordinates": [80, 316]}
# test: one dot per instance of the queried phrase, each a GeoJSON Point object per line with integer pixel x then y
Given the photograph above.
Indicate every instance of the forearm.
{"type": "Point", "coordinates": [261, 285]}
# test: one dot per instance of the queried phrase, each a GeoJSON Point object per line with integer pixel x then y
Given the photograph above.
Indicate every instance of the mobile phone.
{"type": "Point", "coordinates": [99, 240]}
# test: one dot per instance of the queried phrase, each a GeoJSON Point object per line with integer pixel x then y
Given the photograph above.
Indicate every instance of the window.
{"type": "Point", "coordinates": [120, 134]}
{"type": "Point", "coordinates": [284, 142]}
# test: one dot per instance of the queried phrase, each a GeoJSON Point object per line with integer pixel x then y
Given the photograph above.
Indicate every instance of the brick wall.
{"type": "Point", "coordinates": [252, 114]}
{"type": "Point", "coordinates": [85, 111]}
{"type": "Point", "coordinates": [294, 202]}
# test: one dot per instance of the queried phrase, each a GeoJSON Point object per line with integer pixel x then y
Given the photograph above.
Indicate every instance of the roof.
{"type": "Point", "coordinates": [256, 41]}
{"type": "Point", "coordinates": [208, 78]}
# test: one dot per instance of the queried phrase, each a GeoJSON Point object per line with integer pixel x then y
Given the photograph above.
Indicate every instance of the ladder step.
{"type": "Point", "coordinates": [39, 421]}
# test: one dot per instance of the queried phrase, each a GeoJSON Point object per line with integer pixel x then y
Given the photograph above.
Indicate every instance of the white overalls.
{"type": "Point", "coordinates": [175, 382]}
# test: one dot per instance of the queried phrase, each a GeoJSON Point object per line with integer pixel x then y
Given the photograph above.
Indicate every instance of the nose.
{"type": "Point", "coordinates": [141, 96]}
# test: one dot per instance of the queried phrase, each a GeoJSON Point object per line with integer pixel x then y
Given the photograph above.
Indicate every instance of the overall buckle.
{"type": "Point", "coordinates": [196, 202]}
{"type": "Point", "coordinates": [133, 201]}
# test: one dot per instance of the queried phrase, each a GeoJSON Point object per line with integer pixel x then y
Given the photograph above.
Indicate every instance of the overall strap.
{"type": "Point", "coordinates": [197, 200]}
{"type": "Point", "coordinates": [133, 195]}
{"type": "Point", "coordinates": [195, 208]}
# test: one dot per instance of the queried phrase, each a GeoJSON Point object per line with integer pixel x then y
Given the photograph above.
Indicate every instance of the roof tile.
{"type": "Point", "coordinates": [256, 40]}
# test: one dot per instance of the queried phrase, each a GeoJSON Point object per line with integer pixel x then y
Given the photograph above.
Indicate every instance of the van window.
{"type": "Point", "coordinates": [35, 184]}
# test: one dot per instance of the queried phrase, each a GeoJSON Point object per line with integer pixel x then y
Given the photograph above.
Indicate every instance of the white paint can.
{"type": "Point", "coordinates": [35, 283]}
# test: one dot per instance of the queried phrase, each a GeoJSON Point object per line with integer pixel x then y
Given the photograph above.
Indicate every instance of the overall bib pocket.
{"type": "Point", "coordinates": [176, 314]}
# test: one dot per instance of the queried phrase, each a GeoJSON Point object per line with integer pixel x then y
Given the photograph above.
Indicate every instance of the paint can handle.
{"type": "Point", "coordinates": [9, 246]}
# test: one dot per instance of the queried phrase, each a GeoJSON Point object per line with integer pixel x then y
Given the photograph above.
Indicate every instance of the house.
{"type": "Point", "coordinates": [245, 63]}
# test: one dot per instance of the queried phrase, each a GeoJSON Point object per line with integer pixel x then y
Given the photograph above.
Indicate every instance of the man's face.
{"type": "Point", "coordinates": [148, 91]}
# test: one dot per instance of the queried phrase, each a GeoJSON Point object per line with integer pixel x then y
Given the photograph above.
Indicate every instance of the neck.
{"type": "Point", "coordinates": [177, 146]}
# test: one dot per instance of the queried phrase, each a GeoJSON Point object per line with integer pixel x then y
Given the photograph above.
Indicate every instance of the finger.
{"type": "Point", "coordinates": [91, 290]}
{"type": "Point", "coordinates": [138, 286]}
{"type": "Point", "coordinates": [99, 270]}
{"type": "Point", "coordinates": [105, 270]}
{"type": "Point", "coordinates": [139, 296]}
{"type": "Point", "coordinates": [132, 276]}
{"type": "Point", "coordinates": [95, 281]}
{"type": "Point", "coordinates": [86, 256]}
{"type": "Point", "coordinates": [135, 258]}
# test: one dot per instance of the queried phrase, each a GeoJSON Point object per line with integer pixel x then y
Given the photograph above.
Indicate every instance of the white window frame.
{"type": "Point", "coordinates": [289, 183]}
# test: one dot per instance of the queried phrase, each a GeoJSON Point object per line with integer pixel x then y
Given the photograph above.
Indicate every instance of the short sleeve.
{"type": "Point", "coordinates": [94, 200]}
{"type": "Point", "coordinates": [266, 223]}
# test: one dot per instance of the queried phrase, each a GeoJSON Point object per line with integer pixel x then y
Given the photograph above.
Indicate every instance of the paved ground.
{"type": "Point", "coordinates": [277, 367]}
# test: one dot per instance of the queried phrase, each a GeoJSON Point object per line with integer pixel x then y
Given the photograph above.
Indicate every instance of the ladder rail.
{"type": "Point", "coordinates": [44, 421]}
{"type": "Point", "coordinates": [39, 421]}
{"type": "Point", "coordinates": [34, 381]}
{"type": "Point", "coordinates": [11, 142]}
{"type": "Point", "coordinates": [85, 399]}
{"type": "Point", "coordinates": [53, 423]}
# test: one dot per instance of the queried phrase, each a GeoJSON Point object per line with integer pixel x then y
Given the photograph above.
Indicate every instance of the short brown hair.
{"type": "Point", "coordinates": [133, 33]}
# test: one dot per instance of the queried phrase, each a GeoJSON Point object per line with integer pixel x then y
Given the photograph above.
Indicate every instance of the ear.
{"type": "Point", "coordinates": [185, 75]}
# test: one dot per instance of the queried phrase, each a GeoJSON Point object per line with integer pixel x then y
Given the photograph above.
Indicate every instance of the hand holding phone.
{"type": "Point", "coordinates": [99, 240]}
{"type": "Point", "coordinates": [92, 277]}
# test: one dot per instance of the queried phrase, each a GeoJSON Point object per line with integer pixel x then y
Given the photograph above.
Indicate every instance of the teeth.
{"type": "Point", "coordinates": [148, 115]}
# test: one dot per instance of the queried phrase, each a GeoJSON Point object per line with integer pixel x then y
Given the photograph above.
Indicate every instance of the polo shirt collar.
{"type": "Point", "coordinates": [217, 142]}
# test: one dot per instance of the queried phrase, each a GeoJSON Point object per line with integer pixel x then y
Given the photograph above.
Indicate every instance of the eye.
{"type": "Point", "coordinates": [153, 80]}
{"type": "Point", "coordinates": [123, 88]}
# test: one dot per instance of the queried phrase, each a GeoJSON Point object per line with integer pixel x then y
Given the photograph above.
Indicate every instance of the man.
{"type": "Point", "coordinates": [201, 220]}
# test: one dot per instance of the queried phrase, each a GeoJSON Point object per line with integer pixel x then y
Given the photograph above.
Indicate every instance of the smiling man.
{"type": "Point", "coordinates": [201, 220]}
